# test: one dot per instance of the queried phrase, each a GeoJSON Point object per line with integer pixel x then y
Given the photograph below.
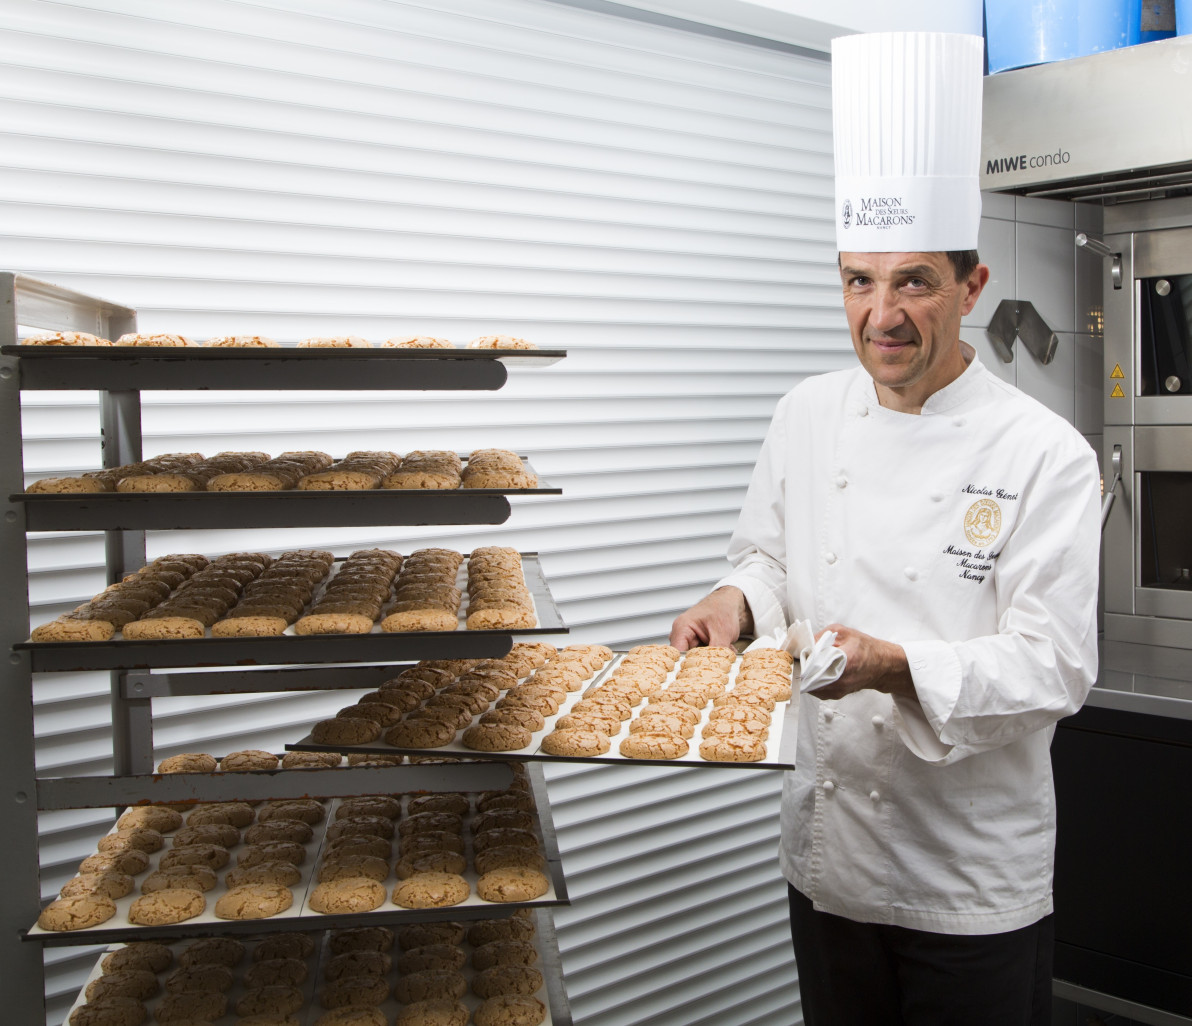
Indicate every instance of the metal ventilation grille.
{"type": "Point", "coordinates": [1127, 187]}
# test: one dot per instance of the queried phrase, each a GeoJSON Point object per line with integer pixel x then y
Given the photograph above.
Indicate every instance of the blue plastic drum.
{"type": "Point", "coordinates": [1024, 32]}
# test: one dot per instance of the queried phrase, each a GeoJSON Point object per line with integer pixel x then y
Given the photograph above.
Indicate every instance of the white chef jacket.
{"type": "Point", "coordinates": [969, 535]}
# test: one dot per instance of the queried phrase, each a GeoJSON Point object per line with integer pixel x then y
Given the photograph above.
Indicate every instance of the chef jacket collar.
{"type": "Point", "coordinates": [952, 395]}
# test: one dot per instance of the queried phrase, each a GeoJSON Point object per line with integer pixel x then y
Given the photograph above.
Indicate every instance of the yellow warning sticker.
{"type": "Point", "coordinates": [1117, 371]}
{"type": "Point", "coordinates": [1117, 393]}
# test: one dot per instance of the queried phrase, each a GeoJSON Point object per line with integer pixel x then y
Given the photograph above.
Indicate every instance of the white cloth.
{"type": "Point", "coordinates": [820, 662]}
{"type": "Point", "coordinates": [969, 535]}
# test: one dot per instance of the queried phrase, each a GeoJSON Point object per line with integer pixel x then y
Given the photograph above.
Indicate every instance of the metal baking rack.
{"type": "Point", "coordinates": [120, 375]}
{"type": "Point", "coordinates": [296, 918]}
{"type": "Point", "coordinates": [153, 511]}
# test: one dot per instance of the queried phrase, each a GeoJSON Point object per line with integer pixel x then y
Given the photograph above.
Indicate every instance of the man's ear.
{"type": "Point", "coordinates": [974, 285]}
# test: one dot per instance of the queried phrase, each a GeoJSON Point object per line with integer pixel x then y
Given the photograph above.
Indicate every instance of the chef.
{"type": "Point", "coordinates": [945, 527]}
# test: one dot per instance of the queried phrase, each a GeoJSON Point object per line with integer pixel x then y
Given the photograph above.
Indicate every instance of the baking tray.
{"type": "Point", "coordinates": [555, 895]}
{"type": "Point", "coordinates": [134, 368]}
{"type": "Point", "coordinates": [377, 646]}
{"type": "Point", "coordinates": [780, 746]}
{"type": "Point", "coordinates": [551, 994]}
{"type": "Point", "coordinates": [313, 965]}
{"type": "Point", "coordinates": [159, 511]}
{"type": "Point", "coordinates": [545, 941]}
{"type": "Point", "coordinates": [298, 916]}
{"type": "Point", "coordinates": [207, 922]}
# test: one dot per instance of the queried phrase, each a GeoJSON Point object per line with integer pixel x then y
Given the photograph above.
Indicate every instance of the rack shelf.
{"type": "Point", "coordinates": [328, 648]}
{"type": "Point", "coordinates": [262, 785]}
{"type": "Point", "coordinates": [546, 942]}
{"type": "Point", "coordinates": [296, 918]}
{"type": "Point", "coordinates": [118, 368]}
{"type": "Point", "coordinates": [128, 511]}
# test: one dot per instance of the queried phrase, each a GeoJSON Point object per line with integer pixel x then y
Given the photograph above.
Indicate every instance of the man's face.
{"type": "Point", "coordinates": [904, 312]}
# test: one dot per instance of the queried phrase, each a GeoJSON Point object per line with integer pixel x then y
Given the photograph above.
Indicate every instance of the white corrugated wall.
{"type": "Point", "coordinates": [654, 200]}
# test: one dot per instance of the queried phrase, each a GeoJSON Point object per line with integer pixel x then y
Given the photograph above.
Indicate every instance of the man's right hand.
{"type": "Point", "coordinates": [717, 619]}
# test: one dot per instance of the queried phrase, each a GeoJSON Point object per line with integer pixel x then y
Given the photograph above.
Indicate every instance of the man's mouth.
{"type": "Point", "coordinates": [888, 345]}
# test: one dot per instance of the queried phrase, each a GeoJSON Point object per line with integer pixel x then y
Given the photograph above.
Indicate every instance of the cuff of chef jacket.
{"type": "Point", "coordinates": [935, 670]}
{"type": "Point", "coordinates": [768, 616]}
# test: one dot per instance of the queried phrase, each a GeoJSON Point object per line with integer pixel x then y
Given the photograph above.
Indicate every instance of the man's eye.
{"type": "Point", "coordinates": [916, 283]}
{"type": "Point", "coordinates": [858, 281]}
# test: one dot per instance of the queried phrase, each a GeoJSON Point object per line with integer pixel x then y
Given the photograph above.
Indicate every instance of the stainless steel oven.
{"type": "Point", "coordinates": [1148, 424]}
{"type": "Point", "coordinates": [1095, 130]}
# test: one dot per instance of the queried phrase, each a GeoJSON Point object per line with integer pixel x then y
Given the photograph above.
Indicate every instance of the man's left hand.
{"type": "Point", "coordinates": [872, 663]}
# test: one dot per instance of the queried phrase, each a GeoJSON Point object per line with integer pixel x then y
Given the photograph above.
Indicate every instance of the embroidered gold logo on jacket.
{"type": "Point", "coordinates": [983, 522]}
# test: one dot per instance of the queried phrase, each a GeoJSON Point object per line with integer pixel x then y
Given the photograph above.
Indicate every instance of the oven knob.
{"type": "Point", "coordinates": [1163, 286]}
{"type": "Point", "coordinates": [1172, 384]}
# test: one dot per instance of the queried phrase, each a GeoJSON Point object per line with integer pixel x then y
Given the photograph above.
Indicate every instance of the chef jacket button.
{"type": "Point", "coordinates": [937, 496]}
{"type": "Point", "coordinates": [829, 557]}
{"type": "Point", "coordinates": [879, 722]}
{"type": "Point", "coordinates": [828, 714]}
{"type": "Point", "coordinates": [911, 573]}
{"type": "Point", "coordinates": [918, 664]}
{"type": "Point", "coordinates": [863, 411]}
{"type": "Point", "coordinates": [874, 796]}
{"type": "Point", "coordinates": [829, 787]}
{"type": "Point", "coordinates": [958, 422]}
{"type": "Point", "coordinates": [842, 481]}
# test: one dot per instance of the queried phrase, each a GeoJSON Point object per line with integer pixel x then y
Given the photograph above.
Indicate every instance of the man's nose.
{"type": "Point", "coordinates": [887, 312]}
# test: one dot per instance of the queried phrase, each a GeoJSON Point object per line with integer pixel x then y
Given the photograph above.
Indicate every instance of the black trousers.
{"type": "Point", "coordinates": [865, 974]}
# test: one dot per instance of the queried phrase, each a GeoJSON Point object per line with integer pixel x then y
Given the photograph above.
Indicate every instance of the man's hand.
{"type": "Point", "coordinates": [872, 663]}
{"type": "Point", "coordinates": [717, 619]}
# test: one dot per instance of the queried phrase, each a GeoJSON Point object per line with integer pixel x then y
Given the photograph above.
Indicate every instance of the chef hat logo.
{"type": "Point", "coordinates": [906, 119]}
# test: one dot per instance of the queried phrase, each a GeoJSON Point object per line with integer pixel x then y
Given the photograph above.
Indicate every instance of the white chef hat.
{"type": "Point", "coordinates": [906, 120]}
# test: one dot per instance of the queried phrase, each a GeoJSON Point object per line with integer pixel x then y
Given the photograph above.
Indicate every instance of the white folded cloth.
{"type": "Point", "coordinates": [820, 662]}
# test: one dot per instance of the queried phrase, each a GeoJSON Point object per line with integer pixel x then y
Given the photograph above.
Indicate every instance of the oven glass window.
{"type": "Point", "coordinates": [1165, 304]}
{"type": "Point", "coordinates": [1166, 556]}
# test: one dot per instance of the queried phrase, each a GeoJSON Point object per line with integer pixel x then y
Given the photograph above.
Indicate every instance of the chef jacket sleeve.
{"type": "Point", "coordinates": [757, 549]}
{"type": "Point", "coordinates": [979, 694]}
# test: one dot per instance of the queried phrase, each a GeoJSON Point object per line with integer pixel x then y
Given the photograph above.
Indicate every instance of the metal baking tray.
{"type": "Point", "coordinates": [119, 928]}
{"type": "Point", "coordinates": [298, 916]}
{"type": "Point", "coordinates": [158, 511]}
{"type": "Point", "coordinates": [136, 368]}
{"type": "Point", "coordinates": [308, 987]}
{"type": "Point", "coordinates": [376, 647]}
{"type": "Point", "coordinates": [545, 941]}
{"type": "Point", "coordinates": [780, 746]}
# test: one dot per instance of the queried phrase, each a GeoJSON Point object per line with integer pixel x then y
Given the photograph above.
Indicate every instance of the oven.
{"type": "Point", "coordinates": [1148, 427]}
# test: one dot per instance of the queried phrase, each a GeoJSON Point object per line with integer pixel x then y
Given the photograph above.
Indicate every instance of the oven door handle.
{"type": "Point", "coordinates": [1095, 245]}
{"type": "Point", "coordinates": [1111, 491]}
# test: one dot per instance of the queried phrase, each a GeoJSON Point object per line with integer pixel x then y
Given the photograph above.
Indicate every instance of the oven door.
{"type": "Point", "coordinates": [1148, 537]}
{"type": "Point", "coordinates": [1161, 511]}
{"type": "Point", "coordinates": [1162, 273]}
